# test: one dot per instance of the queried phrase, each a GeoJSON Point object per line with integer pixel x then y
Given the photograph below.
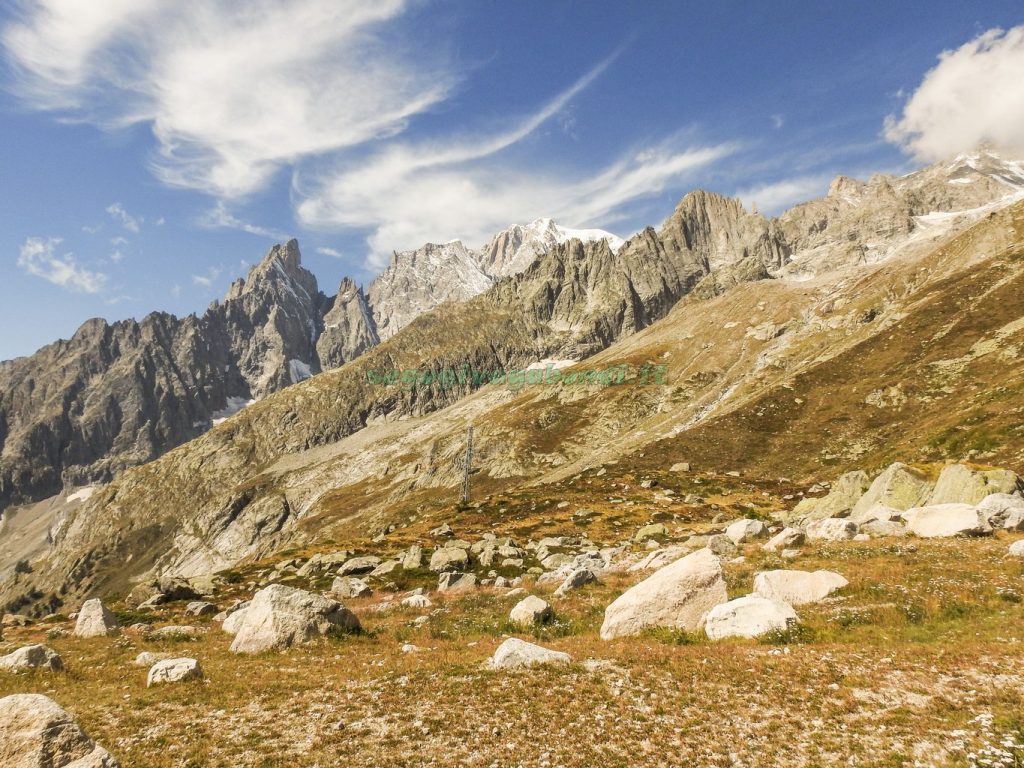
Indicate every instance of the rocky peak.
{"type": "Point", "coordinates": [348, 326]}
{"type": "Point", "coordinates": [417, 281]}
{"type": "Point", "coordinates": [721, 233]}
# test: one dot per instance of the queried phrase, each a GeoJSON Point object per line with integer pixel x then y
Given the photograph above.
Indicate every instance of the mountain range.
{"type": "Point", "coordinates": [751, 316]}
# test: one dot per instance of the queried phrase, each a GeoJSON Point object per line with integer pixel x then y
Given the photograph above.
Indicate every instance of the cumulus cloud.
{"type": "Point", "coordinates": [38, 256]}
{"type": "Point", "coordinates": [328, 78]}
{"type": "Point", "coordinates": [973, 96]}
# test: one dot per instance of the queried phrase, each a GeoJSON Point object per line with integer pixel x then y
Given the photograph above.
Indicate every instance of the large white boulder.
{"type": "Point", "coordinates": [1003, 510]}
{"type": "Point", "coordinates": [529, 611]}
{"type": "Point", "coordinates": [677, 596]}
{"type": "Point", "coordinates": [943, 520]}
{"type": "Point", "coordinates": [750, 616]}
{"type": "Point", "coordinates": [94, 620]}
{"type": "Point", "coordinates": [797, 587]}
{"type": "Point", "coordinates": [515, 653]}
{"type": "Point", "coordinates": [37, 733]}
{"type": "Point", "coordinates": [281, 616]}
{"type": "Point", "coordinates": [31, 657]}
{"type": "Point", "coordinates": [174, 671]}
{"type": "Point", "coordinates": [1017, 548]}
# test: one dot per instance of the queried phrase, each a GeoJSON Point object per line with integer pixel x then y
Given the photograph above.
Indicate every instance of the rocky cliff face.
{"type": "Point", "coordinates": [117, 395]}
{"type": "Point", "coordinates": [348, 327]}
{"type": "Point", "coordinates": [417, 281]}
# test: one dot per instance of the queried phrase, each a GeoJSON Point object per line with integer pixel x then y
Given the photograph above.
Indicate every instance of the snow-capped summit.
{"type": "Point", "coordinates": [514, 249]}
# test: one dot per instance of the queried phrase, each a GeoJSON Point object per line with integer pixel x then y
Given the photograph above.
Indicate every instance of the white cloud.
{"type": "Point", "coordinates": [38, 257]}
{"type": "Point", "coordinates": [207, 280]}
{"type": "Point", "coordinates": [219, 217]}
{"type": "Point", "coordinates": [973, 96]}
{"type": "Point", "coordinates": [332, 252]}
{"type": "Point", "coordinates": [327, 78]}
{"type": "Point", "coordinates": [129, 222]}
{"type": "Point", "coordinates": [778, 121]}
{"type": "Point", "coordinates": [774, 198]}
{"type": "Point", "coordinates": [409, 194]}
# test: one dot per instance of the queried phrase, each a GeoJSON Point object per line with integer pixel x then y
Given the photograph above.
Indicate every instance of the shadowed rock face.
{"type": "Point", "coordinates": [117, 395]}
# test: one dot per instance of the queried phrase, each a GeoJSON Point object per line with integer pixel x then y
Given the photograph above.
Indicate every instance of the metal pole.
{"type": "Point", "coordinates": [469, 463]}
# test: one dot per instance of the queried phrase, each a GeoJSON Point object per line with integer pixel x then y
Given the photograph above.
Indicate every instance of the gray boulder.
{"type": "Point", "coordinates": [449, 559]}
{"type": "Point", "coordinates": [94, 620]}
{"type": "Point", "coordinates": [1003, 510]}
{"type": "Point", "coordinates": [743, 531]}
{"type": "Point", "coordinates": [580, 577]}
{"type": "Point", "coordinates": [959, 484]}
{"type": "Point", "coordinates": [455, 582]}
{"type": "Point", "coordinates": [785, 539]}
{"type": "Point", "coordinates": [280, 616]}
{"type": "Point", "coordinates": [945, 520]}
{"type": "Point", "coordinates": [899, 486]}
{"type": "Point", "coordinates": [32, 657]}
{"type": "Point", "coordinates": [831, 529]}
{"type": "Point", "coordinates": [797, 587]}
{"type": "Point", "coordinates": [37, 733]}
{"type": "Point", "coordinates": [349, 586]}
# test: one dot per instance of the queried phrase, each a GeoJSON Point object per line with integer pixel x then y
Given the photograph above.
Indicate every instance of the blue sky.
{"type": "Point", "coordinates": [152, 149]}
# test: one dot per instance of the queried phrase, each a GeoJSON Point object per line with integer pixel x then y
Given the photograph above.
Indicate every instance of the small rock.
{"type": "Point", "coordinates": [578, 578]}
{"type": "Point", "coordinates": [831, 529]}
{"type": "Point", "coordinates": [349, 586]}
{"type": "Point", "coordinates": [174, 671]}
{"type": "Point", "coordinates": [200, 609]}
{"type": "Point", "coordinates": [449, 559]}
{"type": "Point", "coordinates": [515, 653]}
{"type": "Point", "coordinates": [417, 601]}
{"type": "Point", "coordinates": [149, 658]}
{"type": "Point", "coordinates": [531, 610]}
{"type": "Point", "coordinates": [453, 582]}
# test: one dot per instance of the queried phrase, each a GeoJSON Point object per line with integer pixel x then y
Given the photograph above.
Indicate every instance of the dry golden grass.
{"type": "Point", "coordinates": [927, 637]}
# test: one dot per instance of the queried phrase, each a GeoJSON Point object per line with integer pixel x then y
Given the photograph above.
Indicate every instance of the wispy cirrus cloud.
{"type": "Point", "coordinates": [411, 193]}
{"type": "Point", "coordinates": [38, 256]}
{"type": "Point", "coordinates": [219, 217]}
{"type": "Point", "coordinates": [187, 68]}
{"type": "Point", "coordinates": [972, 96]}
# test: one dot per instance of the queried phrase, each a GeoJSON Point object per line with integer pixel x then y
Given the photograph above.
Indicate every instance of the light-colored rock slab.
{"type": "Point", "coordinates": [748, 617]}
{"type": "Point", "coordinates": [677, 596]}
{"type": "Point", "coordinates": [797, 587]}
